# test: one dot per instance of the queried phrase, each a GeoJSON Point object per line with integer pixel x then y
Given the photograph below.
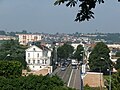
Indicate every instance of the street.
{"type": "Point", "coordinates": [71, 77]}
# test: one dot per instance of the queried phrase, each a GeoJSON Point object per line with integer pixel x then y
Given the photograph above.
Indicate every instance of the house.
{"type": "Point", "coordinates": [38, 58]}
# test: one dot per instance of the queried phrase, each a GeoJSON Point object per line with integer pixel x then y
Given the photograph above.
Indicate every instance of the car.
{"type": "Point", "coordinates": [63, 68]}
{"type": "Point", "coordinates": [74, 66]}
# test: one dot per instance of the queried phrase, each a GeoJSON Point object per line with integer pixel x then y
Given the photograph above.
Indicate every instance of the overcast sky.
{"type": "Point", "coordinates": [43, 16]}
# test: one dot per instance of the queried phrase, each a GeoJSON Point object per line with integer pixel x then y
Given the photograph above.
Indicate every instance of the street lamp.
{"type": "Point", "coordinates": [109, 72]}
{"type": "Point", "coordinates": [83, 70]}
{"type": "Point", "coordinates": [6, 56]}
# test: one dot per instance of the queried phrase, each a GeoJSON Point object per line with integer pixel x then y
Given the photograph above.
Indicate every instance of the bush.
{"type": "Point", "coordinates": [10, 69]}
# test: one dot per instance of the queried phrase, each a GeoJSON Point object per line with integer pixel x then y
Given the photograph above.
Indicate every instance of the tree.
{"type": "Point", "coordinates": [33, 82]}
{"type": "Point", "coordinates": [86, 7]}
{"type": "Point", "coordinates": [2, 33]}
{"type": "Point", "coordinates": [11, 34]}
{"type": "Point", "coordinates": [116, 81]}
{"type": "Point", "coordinates": [24, 32]}
{"type": "Point", "coordinates": [79, 53]}
{"type": "Point", "coordinates": [16, 51]}
{"type": "Point", "coordinates": [99, 58]}
{"type": "Point", "coordinates": [65, 51]}
{"type": "Point", "coordinates": [117, 54]}
{"type": "Point", "coordinates": [10, 69]}
{"type": "Point", "coordinates": [117, 65]}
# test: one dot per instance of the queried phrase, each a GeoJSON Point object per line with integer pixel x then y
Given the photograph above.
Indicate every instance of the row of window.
{"type": "Point", "coordinates": [35, 37]}
{"type": "Point", "coordinates": [38, 62]}
{"type": "Point", "coordinates": [34, 66]}
{"type": "Point", "coordinates": [38, 55]}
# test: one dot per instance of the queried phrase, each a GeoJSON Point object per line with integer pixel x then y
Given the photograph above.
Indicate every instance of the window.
{"type": "Point", "coordinates": [34, 49]}
{"type": "Point", "coordinates": [42, 61]}
{"type": "Point", "coordinates": [28, 61]}
{"type": "Point", "coordinates": [33, 61]}
{"type": "Point", "coordinates": [35, 37]}
{"type": "Point", "coordinates": [24, 37]}
{"type": "Point", "coordinates": [45, 61]}
{"type": "Point", "coordinates": [38, 61]}
{"type": "Point", "coordinates": [38, 55]}
{"type": "Point", "coordinates": [28, 54]}
{"type": "Point", "coordinates": [23, 41]}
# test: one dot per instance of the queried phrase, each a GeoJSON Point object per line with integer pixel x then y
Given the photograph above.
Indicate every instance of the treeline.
{"type": "Point", "coordinates": [2, 32]}
{"type": "Point", "coordinates": [11, 79]}
{"type": "Point", "coordinates": [110, 37]}
{"type": "Point", "coordinates": [33, 82]}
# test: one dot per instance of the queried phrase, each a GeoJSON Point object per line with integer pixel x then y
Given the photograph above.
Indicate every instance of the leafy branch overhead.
{"type": "Point", "coordinates": [85, 7]}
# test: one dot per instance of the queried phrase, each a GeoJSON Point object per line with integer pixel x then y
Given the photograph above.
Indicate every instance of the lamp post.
{"type": "Point", "coordinates": [82, 54]}
{"type": "Point", "coordinates": [6, 56]}
{"type": "Point", "coordinates": [82, 70]}
{"type": "Point", "coordinates": [109, 73]}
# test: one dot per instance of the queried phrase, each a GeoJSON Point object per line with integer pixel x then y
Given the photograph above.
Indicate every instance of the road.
{"type": "Point", "coordinates": [71, 77]}
{"type": "Point", "coordinates": [75, 81]}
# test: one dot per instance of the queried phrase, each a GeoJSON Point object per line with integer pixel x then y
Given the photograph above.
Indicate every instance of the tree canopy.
{"type": "Point", "coordinates": [14, 50]}
{"type": "Point", "coordinates": [65, 51]}
{"type": "Point", "coordinates": [117, 65]}
{"type": "Point", "coordinates": [33, 82]}
{"type": "Point", "coordinates": [116, 81]}
{"type": "Point", "coordinates": [86, 7]}
{"type": "Point", "coordinates": [117, 54]}
{"type": "Point", "coordinates": [10, 69]}
{"type": "Point", "coordinates": [79, 53]}
{"type": "Point", "coordinates": [99, 58]}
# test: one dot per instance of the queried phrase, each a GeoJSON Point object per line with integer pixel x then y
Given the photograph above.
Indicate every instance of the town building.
{"type": "Point", "coordinates": [25, 38]}
{"type": "Point", "coordinates": [38, 58]}
{"type": "Point", "coordinates": [4, 37]}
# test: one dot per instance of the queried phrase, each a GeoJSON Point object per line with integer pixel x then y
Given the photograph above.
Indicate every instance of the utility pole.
{"type": "Point", "coordinates": [109, 72]}
{"type": "Point", "coordinates": [100, 80]}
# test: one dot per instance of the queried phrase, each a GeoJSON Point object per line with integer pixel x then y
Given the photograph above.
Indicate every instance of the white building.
{"type": "Point", "coordinates": [4, 37]}
{"type": "Point", "coordinates": [25, 38]}
{"type": "Point", "coordinates": [38, 58]}
{"type": "Point", "coordinates": [113, 49]}
{"type": "Point", "coordinates": [113, 45]}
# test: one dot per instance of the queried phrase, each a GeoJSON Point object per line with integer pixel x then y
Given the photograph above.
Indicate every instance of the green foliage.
{"type": "Point", "coordinates": [117, 54]}
{"type": "Point", "coordinates": [33, 82]}
{"type": "Point", "coordinates": [2, 33]}
{"type": "Point", "coordinates": [117, 65]}
{"type": "Point", "coordinates": [87, 87]}
{"type": "Point", "coordinates": [10, 69]}
{"type": "Point", "coordinates": [65, 51]}
{"type": "Point", "coordinates": [16, 51]}
{"type": "Point", "coordinates": [79, 53]}
{"type": "Point", "coordinates": [85, 7]}
{"type": "Point", "coordinates": [99, 58]}
{"type": "Point", "coordinates": [116, 81]}
{"type": "Point", "coordinates": [109, 37]}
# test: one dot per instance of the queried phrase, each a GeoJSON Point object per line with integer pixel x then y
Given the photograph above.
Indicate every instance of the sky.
{"type": "Point", "coordinates": [43, 17]}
